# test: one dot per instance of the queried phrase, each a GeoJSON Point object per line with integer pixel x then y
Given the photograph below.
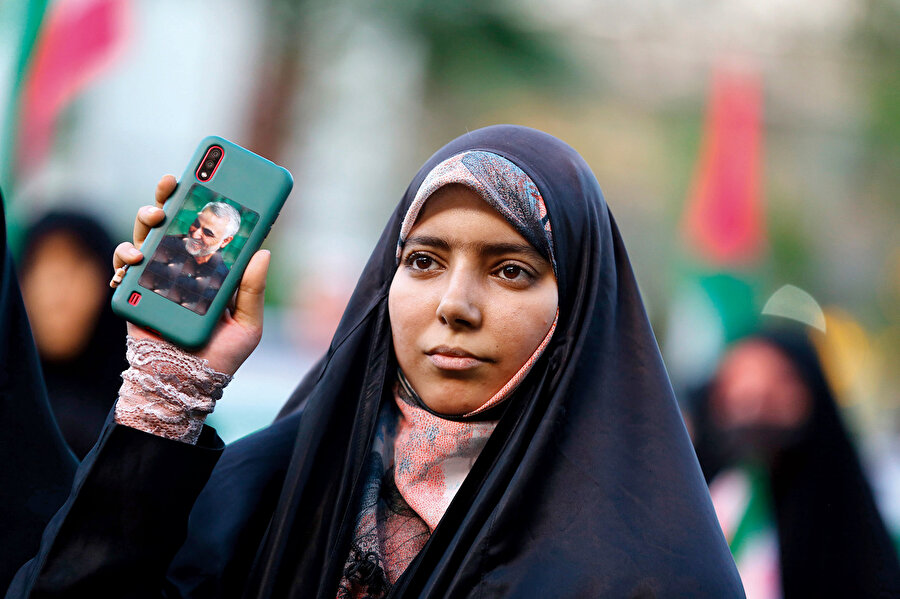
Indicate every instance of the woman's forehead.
{"type": "Point", "coordinates": [463, 201]}
{"type": "Point", "coordinates": [456, 215]}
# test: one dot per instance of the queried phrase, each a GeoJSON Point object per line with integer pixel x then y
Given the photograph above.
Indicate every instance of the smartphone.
{"type": "Point", "coordinates": [217, 217]}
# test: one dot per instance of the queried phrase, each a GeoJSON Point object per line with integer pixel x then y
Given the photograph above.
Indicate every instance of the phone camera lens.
{"type": "Point", "coordinates": [209, 164]}
{"type": "Point", "coordinates": [215, 153]}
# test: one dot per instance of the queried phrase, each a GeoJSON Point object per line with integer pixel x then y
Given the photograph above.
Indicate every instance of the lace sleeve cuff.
{"type": "Point", "coordinates": [166, 391]}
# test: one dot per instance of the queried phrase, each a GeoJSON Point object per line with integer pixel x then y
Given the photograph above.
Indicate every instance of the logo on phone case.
{"type": "Point", "coordinates": [135, 298]}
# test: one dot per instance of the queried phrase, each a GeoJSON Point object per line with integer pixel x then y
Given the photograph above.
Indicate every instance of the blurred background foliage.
{"type": "Point", "coordinates": [353, 95]}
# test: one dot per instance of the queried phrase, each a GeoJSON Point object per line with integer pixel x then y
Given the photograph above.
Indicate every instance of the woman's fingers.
{"type": "Point", "coordinates": [248, 305]}
{"type": "Point", "coordinates": [117, 277]}
{"type": "Point", "coordinates": [147, 218]}
{"type": "Point", "coordinates": [151, 216]}
{"type": "Point", "coordinates": [124, 256]}
{"type": "Point", "coordinates": [164, 189]}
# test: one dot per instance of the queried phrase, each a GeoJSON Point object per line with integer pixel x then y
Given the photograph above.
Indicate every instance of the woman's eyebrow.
{"type": "Point", "coordinates": [437, 243]}
{"type": "Point", "coordinates": [499, 249]}
{"type": "Point", "coordinates": [480, 247]}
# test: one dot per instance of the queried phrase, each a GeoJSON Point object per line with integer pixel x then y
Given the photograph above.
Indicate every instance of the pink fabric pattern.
{"type": "Point", "coordinates": [432, 457]}
{"type": "Point", "coordinates": [166, 391]}
{"type": "Point", "coordinates": [388, 534]}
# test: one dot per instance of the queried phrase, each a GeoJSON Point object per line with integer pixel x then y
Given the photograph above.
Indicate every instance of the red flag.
{"type": "Point", "coordinates": [81, 38]}
{"type": "Point", "coordinates": [723, 221]}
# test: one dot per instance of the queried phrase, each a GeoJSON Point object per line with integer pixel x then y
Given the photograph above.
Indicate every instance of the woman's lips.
{"type": "Point", "coordinates": [450, 358]}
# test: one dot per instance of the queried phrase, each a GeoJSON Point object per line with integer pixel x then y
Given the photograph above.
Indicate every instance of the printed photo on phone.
{"type": "Point", "coordinates": [200, 246]}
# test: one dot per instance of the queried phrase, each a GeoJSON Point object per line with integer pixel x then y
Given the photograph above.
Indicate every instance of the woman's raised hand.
{"type": "Point", "coordinates": [238, 332]}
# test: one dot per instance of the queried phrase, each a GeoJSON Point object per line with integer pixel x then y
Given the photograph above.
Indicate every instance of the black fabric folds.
{"type": "Point", "coordinates": [832, 540]}
{"type": "Point", "coordinates": [588, 486]}
{"type": "Point", "coordinates": [36, 466]}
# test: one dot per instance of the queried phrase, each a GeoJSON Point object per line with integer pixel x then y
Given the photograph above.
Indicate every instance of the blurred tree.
{"type": "Point", "coordinates": [278, 77]}
{"type": "Point", "coordinates": [475, 50]}
{"type": "Point", "coordinates": [878, 35]}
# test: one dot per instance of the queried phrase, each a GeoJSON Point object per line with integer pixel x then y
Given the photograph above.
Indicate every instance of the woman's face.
{"type": "Point", "coordinates": [758, 385]}
{"type": "Point", "coordinates": [62, 322]}
{"type": "Point", "coordinates": [470, 302]}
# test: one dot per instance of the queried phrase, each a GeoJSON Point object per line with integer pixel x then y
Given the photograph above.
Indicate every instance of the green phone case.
{"type": "Point", "coordinates": [177, 295]}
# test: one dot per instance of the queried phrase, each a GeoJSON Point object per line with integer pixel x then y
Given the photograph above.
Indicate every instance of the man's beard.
{"type": "Point", "coordinates": [197, 250]}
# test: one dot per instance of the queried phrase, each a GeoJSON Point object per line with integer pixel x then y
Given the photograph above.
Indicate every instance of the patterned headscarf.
{"type": "Point", "coordinates": [419, 459]}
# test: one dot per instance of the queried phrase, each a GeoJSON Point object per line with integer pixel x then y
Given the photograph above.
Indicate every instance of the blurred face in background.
{"type": "Point", "coordinates": [759, 398]}
{"type": "Point", "coordinates": [64, 288]}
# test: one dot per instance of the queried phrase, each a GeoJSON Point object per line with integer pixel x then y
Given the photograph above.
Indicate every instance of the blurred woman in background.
{"type": "Point", "coordinates": [786, 482]}
{"type": "Point", "coordinates": [79, 339]}
{"type": "Point", "coordinates": [36, 465]}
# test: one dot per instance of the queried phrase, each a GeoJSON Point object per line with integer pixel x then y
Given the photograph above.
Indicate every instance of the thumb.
{"type": "Point", "coordinates": [248, 305]}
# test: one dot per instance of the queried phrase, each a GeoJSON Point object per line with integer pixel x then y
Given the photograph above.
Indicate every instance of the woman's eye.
{"type": "Point", "coordinates": [512, 272]}
{"type": "Point", "coordinates": [421, 262]}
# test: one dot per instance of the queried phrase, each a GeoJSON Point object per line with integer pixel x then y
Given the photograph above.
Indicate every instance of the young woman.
{"type": "Point", "coordinates": [492, 419]}
{"type": "Point", "coordinates": [78, 337]}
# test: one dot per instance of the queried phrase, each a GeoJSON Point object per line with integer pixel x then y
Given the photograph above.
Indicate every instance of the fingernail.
{"type": "Point", "coordinates": [117, 277]}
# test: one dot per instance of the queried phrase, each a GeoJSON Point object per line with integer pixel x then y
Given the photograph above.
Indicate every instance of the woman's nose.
{"type": "Point", "coordinates": [459, 306]}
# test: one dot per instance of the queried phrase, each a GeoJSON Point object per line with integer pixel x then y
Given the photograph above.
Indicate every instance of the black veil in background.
{"type": "Point", "coordinates": [36, 465]}
{"type": "Point", "coordinates": [832, 540]}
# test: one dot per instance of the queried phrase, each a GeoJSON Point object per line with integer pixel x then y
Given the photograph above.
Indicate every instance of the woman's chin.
{"type": "Point", "coordinates": [454, 399]}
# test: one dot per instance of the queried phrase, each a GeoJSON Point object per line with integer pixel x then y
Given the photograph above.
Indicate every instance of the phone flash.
{"type": "Point", "coordinates": [203, 173]}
